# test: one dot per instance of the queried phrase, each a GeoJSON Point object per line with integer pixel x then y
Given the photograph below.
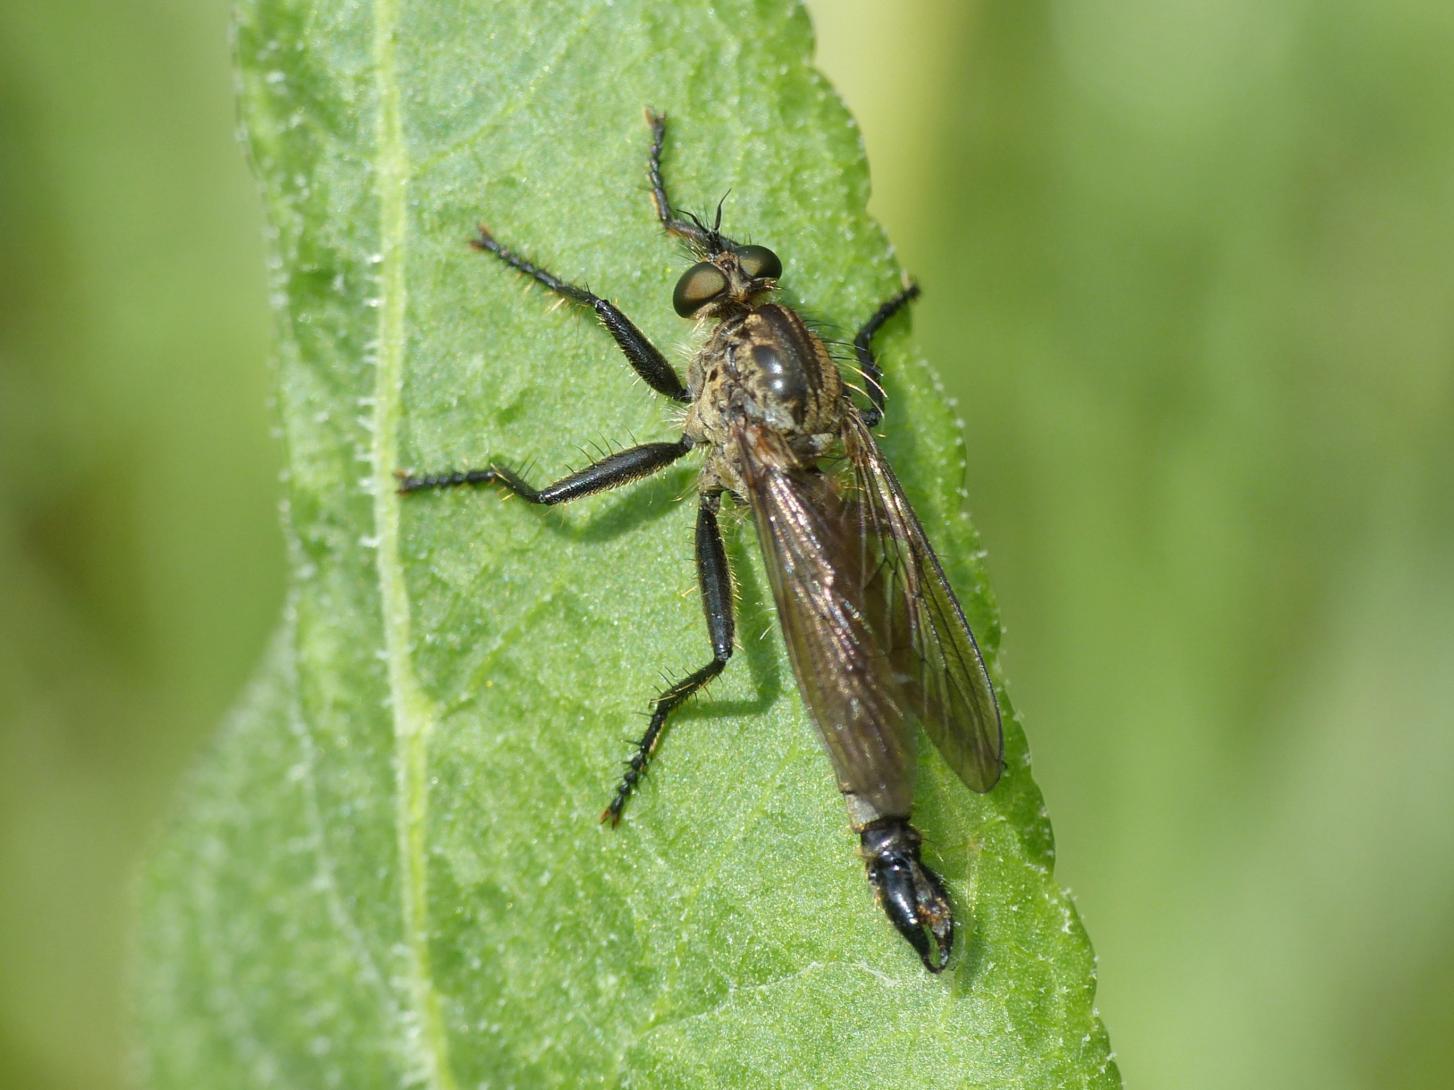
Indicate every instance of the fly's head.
{"type": "Point", "coordinates": [726, 282]}
{"type": "Point", "coordinates": [729, 278]}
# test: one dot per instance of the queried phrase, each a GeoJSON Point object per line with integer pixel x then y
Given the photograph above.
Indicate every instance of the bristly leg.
{"type": "Point", "coordinates": [614, 470]}
{"type": "Point", "coordinates": [713, 573]}
{"type": "Point", "coordinates": [863, 348]}
{"type": "Point", "coordinates": [715, 579]}
{"type": "Point", "coordinates": [693, 232]}
{"type": "Point", "coordinates": [643, 356]}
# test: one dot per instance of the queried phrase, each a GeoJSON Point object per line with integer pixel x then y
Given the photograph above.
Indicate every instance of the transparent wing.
{"type": "Point", "coordinates": [816, 564]}
{"type": "Point", "coordinates": [937, 665]}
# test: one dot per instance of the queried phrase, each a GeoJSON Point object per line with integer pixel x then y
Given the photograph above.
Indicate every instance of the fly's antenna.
{"type": "Point", "coordinates": [710, 236]}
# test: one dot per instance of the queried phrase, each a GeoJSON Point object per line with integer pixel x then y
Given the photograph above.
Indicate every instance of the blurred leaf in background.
{"type": "Point", "coordinates": [1188, 269]}
{"type": "Point", "coordinates": [138, 495]}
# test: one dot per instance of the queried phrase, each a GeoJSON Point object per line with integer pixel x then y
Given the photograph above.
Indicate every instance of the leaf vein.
{"type": "Point", "coordinates": [412, 715]}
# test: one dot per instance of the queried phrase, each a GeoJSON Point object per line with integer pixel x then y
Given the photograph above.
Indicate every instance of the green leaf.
{"type": "Point", "coordinates": [389, 870]}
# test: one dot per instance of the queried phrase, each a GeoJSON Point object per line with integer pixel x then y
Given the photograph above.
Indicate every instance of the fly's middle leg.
{"type": "Point", "coordinates": [617, 469]}
{"type": "Point", "coordinates": [716, 583]}
{"type": "Point", "coordinates": [863, 349]}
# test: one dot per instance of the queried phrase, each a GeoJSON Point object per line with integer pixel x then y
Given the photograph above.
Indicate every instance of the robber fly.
{"type": "Point", "coordinates": [877, 640]}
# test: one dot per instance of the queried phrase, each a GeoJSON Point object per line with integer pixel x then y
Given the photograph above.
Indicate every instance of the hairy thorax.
{"type": "Point", "coordinates": [762, 367]}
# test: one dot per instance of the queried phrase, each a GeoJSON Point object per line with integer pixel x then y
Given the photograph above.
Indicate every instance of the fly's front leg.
{"type": "Point", "coordinates": [617, 469]}
{"type": "Point", "coordinates": [716, 582]}
{"type": "Point", "coordinates": [692, 231]}
{"type": "Point", "coordinates": [863, 348]}
{"type": "Point", "coordinates": [645, 360]}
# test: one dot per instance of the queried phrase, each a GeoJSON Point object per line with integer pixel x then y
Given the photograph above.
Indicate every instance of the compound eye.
{"type": "Point", "coordinates": [759, 263]}
{"type": "Point", "coordinates": [698, 286]}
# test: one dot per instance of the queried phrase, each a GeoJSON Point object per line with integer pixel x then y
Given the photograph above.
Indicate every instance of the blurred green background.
{"type": "Point", "coordinates": [1189, 271]}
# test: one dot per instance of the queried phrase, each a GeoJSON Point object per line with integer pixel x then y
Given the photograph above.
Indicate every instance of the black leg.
{"type": "Point", "coordinates": [716, 583]}
{"type": "Point", "coordinates": [703, 239]}
{"type": "Point", "coordinates": [647, 362]}
{"type": "Point", "coordinates": [863, 346]}
{"type": "Point", "coordinates": [692, 231]}
{"type": "Point", "coordinates": [617, 469]}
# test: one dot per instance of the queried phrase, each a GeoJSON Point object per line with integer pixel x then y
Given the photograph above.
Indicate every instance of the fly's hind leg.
{"type": "Point", "coordinates": [863, 348]}
{"type": "Point", "coordinates": [716, 583]}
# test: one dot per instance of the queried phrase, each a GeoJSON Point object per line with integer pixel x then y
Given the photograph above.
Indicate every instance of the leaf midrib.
{"type": "Point", "coordinates": [412, 715]}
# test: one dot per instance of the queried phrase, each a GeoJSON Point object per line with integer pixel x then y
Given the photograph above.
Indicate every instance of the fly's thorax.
{"type": "Point", "coordinates": [764, 366]}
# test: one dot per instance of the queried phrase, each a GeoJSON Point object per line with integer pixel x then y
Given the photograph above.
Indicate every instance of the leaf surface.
{"type": "Point", "coordinates": [388, 871]}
